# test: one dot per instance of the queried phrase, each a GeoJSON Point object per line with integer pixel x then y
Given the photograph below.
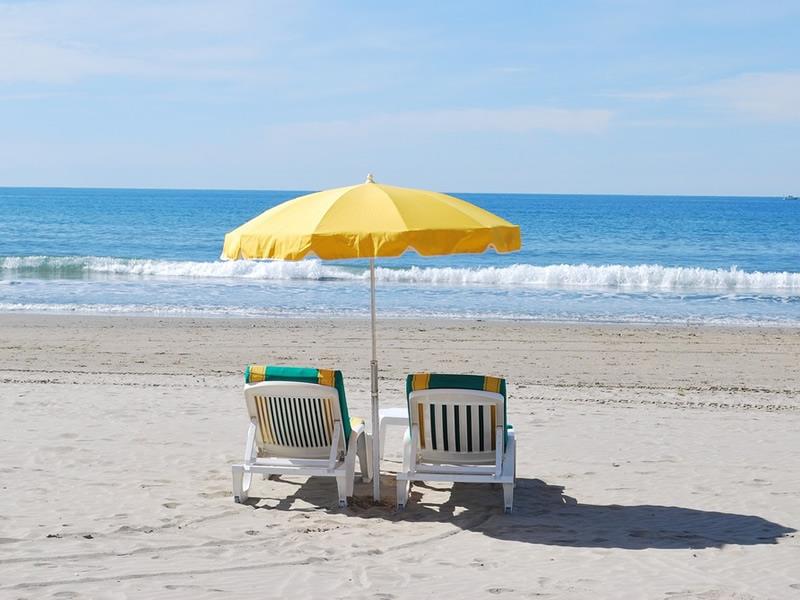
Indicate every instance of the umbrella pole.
{"type": "Point", "coordinates": [376, 438]}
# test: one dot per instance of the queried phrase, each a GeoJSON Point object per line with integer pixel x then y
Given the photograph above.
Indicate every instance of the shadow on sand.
{"type": "Point", "coordinates": [543, 514]}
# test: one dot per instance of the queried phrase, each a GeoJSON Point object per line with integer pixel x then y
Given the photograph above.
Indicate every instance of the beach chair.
{"type": "Point", "coordinates": [299, 425]}
{"type": "Point", "coordinates": [457, 432]}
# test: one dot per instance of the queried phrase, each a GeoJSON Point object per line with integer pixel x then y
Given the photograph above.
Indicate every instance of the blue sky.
{"type": "Point", "coordinates": [676, 97]}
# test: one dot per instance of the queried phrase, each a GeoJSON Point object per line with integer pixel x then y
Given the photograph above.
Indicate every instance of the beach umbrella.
{"type": "Point", "coordinates": [369, 221]}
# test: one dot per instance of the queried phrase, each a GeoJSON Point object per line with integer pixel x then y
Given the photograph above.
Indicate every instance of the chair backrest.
{"type": "Point", "coordinates": [294, 419]}
{"type": "Point", "coordinates": [457, 416]}
{"type": "Point", "coordinates": [326, 377]}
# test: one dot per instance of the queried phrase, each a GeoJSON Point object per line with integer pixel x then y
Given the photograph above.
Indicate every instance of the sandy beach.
{"type": "Point", "coordinates": [653, 462]}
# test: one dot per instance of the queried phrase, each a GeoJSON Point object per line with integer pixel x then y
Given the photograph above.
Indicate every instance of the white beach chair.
{"type": "Point", "coordinates": [300, 428]}
{"type": "Point", "coordinates": [457, 432]}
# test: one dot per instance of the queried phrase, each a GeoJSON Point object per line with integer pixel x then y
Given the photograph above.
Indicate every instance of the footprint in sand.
{"type": "Point", "coordinates": [170, 504]}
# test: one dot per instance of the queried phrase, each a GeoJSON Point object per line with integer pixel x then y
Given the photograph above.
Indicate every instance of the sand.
{"type": "Point", "coordinates": [653, 462]}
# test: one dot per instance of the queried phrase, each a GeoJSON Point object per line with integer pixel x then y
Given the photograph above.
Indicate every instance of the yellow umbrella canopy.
{"type": "Point", "coordinates": [369, 221]}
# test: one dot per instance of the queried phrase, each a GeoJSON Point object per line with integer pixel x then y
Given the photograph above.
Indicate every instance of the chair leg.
{"type": "Point", "coordinates": [407, 450]}
{"type": "Point", "coordinates": [403, 489]}
{"type": "Point", "coordinates": [350, 473]}
{"type": "Point", "coordinates": [241, 483]}
{"type": "Point", "coordinates": [364, 457]}
{"type": "Point", "coordinates": [510, 463]}
{"type": "Point", "coordinates": [404, 485]}
{"type": "Point", "coordinates": [341, 485]}
{"type": "Point", "coordinates": [356, 449]}
{"type": "Point", "coordinates": [508, 496]}
{"type": "Point", "coordinates": [242, 478]}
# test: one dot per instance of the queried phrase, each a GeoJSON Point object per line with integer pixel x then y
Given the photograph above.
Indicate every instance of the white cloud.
{"type": "Point", "coordinates": [464, 120]}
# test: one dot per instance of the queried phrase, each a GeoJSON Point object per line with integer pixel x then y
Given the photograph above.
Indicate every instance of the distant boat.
{"type": "Point", "coordinates": [791, 198]}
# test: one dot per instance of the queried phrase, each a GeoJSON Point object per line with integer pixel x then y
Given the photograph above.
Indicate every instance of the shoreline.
{"type": "Point", "coordinates": [791, 325]}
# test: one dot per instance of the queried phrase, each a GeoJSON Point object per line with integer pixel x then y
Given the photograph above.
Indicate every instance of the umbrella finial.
{"type": "Point", "coordinates": [370, 179]}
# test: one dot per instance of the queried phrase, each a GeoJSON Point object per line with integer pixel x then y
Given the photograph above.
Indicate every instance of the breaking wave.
{"type": "Point", "coordinates": [623, 277]}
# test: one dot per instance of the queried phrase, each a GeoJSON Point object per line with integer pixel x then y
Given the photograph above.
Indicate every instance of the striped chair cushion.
{"type": "Point", "coordinates": [330, 378]}
{"type": "Point", "coordinates": [296, 422]}
{"type": "Point", "coordinates": [481, 423]}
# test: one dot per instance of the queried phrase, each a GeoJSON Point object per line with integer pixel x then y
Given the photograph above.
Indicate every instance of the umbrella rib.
{"type": "Point", "coordinates": [391, 203]}
{"type": "Point", "coordinates": [457, 205]}
{"type": "Point", "coordinates": [452, 202]}
{"type": "Point", "coordinates": [394, 206]}
{"type": "Point", "coordinates": [329, 209]}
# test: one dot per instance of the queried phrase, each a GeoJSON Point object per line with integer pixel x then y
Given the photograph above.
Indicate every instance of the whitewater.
{"type": "Point", "coordinates": [634, 277]}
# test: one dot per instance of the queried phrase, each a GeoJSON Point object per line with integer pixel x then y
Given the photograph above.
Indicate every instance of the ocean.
{"type": "Point", "coordinates": [634, 259]}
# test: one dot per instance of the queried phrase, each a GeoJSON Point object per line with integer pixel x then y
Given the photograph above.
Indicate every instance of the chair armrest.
{"type": "Point", "coordinates": [338, 435]}
{"type": "Point", "coordinates": [250, 443]}
{"type": "Point", "coordinates": [499, 436]}
{"type": "Point", "coordinates": [414, 446]}
{"type": "Point", "coordinates": [357, 425]}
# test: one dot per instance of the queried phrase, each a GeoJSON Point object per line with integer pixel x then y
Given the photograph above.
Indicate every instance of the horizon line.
{"type": "Point", "coordinates": [309, 191]}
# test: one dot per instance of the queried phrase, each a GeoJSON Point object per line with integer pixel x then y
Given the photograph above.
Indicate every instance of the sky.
{"type": "Point", "coordinates": [619, 97]}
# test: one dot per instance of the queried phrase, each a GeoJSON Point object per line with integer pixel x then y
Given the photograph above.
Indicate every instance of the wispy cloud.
{"type": "Point", "coordinates": [65, 42]}
{"type": "Point", "coordinates": [642, 95]}
{"type": "Point", "coordinates": [762, 96]}
{"type": "Point", "coordinates": [765, 96]}
{"type": "Point", "coordinates": [33, 62]}
{"type": "Point", "coordinates": [458, 120]}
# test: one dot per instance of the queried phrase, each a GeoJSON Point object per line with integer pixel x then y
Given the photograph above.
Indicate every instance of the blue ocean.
{"type": "Point", "coordinates": [637, 259]}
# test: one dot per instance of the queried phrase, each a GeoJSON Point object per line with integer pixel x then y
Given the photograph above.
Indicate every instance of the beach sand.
{"type": "Point", "coordinates": [653, 462]}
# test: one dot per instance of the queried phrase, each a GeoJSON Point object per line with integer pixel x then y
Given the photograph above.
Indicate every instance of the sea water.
{"type": "Point", "coordinates": [708, 260]}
